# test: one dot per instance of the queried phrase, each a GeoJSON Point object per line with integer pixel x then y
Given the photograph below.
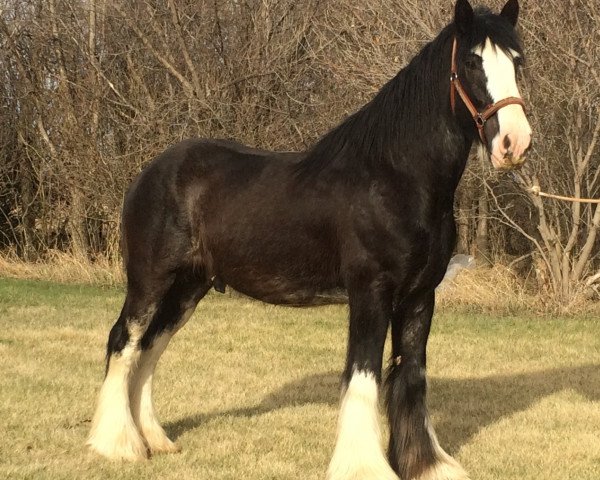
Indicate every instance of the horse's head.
{"type": "Point", "coordinates": [486, 57]}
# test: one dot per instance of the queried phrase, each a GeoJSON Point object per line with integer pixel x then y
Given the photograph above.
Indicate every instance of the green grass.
{"type": "Point", "coordinates": [250, 390]}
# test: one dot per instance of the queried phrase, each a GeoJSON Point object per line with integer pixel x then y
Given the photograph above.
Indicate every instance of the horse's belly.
{"type": "Point", "coordinates": [305, 275]}
{"type": "Point", "coordinates": [284, 288]}
{"type": "Point", "coordinates": [298, 297]}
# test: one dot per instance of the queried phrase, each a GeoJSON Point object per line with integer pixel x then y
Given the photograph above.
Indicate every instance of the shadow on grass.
{"type": "Point", "coordinates": [461, 406]}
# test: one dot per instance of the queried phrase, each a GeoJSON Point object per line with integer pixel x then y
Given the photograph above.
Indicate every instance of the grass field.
{"type": "Point", "coordinates": [250, 390]}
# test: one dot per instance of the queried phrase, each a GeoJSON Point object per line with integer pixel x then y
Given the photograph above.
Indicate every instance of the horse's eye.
{"type": "Point", "coordinates": [473, 62]}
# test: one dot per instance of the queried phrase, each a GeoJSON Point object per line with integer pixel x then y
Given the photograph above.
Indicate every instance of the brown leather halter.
{"type": "Point", "coordinates": [480, 118]}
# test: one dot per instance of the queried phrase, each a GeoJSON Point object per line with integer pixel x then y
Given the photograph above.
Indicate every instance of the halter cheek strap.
{"type": "Point", "coordinates": [480, 118]}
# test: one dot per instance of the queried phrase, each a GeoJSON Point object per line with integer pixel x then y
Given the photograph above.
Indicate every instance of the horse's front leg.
{"type": "Point", "coordinates": [358, 453]}
{"type": "Point", "coordinates": [414, 451]}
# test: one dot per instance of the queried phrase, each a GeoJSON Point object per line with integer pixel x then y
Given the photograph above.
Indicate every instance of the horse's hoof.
{"type": "Point", "coordinates": [165, 446]}
{"type": "Point", "coordinates": [132, 451]}
{"type": "Point", "coordinates": [379, 472]}
{"type": "Point", "coordinates": [444, 471]}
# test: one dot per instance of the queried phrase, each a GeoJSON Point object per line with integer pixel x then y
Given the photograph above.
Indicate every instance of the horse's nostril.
{"type": "Point", "coordinates": [506, 142]}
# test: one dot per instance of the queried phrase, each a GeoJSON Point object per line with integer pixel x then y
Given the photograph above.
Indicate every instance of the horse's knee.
{"type": "Point", "coordinates": [406, 386]}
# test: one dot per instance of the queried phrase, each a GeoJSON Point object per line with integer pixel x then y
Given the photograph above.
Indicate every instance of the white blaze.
{"type": "Point", "coordinates": [502, 83]}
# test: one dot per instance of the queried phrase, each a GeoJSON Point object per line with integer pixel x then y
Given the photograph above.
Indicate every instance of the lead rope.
{"type": "Point", "coordinates": [537, 191]}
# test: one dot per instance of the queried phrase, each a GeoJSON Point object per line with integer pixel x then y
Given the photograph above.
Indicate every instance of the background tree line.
{"type": "Point", "coordinates": [91, 90]}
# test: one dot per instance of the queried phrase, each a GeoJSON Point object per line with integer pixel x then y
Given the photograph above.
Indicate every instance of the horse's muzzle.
{"type": "Point", "coordinates": [508, 151]}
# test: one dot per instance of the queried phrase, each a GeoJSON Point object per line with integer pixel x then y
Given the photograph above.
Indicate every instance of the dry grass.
{"type": "Point", "coordinates": [489, 290]}
{"type": "Point", "coordinates": [250, 390]}
{"type": "Point", "coordinates": [63, 268]}
{"type": "Point", "coordinates": [498, 290]}
{"type": "Point", "coordinates": [495, 290]}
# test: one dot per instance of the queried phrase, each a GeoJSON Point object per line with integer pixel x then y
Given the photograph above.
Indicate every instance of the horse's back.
{"type": "Point", "coordinates": [192, 167]}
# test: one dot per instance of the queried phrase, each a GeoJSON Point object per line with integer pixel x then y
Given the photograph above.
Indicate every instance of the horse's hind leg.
{"type": "Point", "coordinates": [125, 425]}
{"type": "Point", "coordinates": [114, 433]}
{"type": "Point", "coordinates": [174, 310]}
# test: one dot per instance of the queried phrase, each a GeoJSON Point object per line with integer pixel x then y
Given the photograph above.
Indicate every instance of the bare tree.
{"type": "Point", "coordinates": [564, 86]}
{"type": "Point", "coordinates": [90, 93]}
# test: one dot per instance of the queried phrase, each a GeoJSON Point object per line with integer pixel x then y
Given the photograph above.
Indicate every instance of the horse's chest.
{"type": "Point", "coordinates": [414, 249]}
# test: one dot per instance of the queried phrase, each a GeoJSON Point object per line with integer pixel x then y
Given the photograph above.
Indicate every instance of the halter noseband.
{"type": "Point", "coordinates": [480, 118]}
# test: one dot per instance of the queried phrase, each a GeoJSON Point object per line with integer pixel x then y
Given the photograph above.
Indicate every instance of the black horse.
{"type": "Point", "coordinates": [367, 211]}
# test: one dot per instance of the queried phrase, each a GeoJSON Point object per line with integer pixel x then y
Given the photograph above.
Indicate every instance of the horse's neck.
{"type": "Point", "coordinates": [407, 126]}
{"type": "Point", "coordinates": [436, 156]}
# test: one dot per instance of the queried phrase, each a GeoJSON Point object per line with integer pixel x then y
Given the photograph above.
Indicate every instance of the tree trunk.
{"type": "Point", "coordinates": [463, 220]}
{"type": "Point", "coordinates": [482, 253]}
{"type": "Point", "coordinates": [76, 225]}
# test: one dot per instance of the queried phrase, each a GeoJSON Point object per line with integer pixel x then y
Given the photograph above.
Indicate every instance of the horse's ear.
{"type": "Point", "coordinates": [463, 16]}
{"type": "Point", "coordinates": [511, 11]}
